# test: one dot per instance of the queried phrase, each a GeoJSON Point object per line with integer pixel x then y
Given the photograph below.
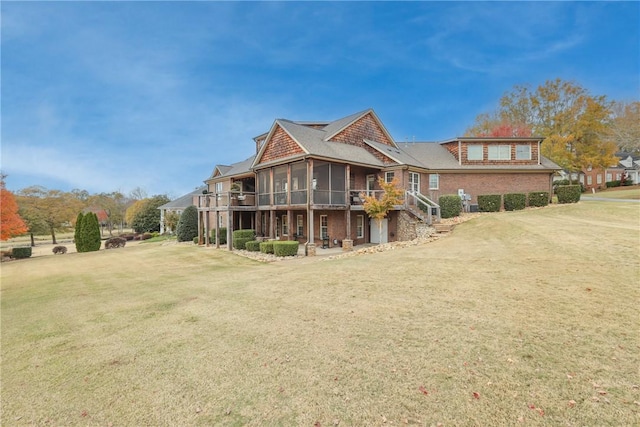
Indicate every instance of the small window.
{"type": "Point", "coordinates": [499, 152]}
{"type": "Point", "coordinates": [434, 181]}
{"type": "Point", "coordinates": [618, 176]}
{"type": "Point", "coordinates": [360, 226]}
{"type": "Point", "coordinates": [285, 225]}
{"type": "Point", "coordinates": [218, 187]}
{"type": "Point", "coordinates": [599, 178]}
{"type": "Point", "coordinates": [388, 177]}
{"type": "Point", "coordinates": [589, 180]}
{"type": "Point", "coordinates": [300, 225]}
{"type": "Point", "coordinates": [523, 152]}
{"type": "Point", "coordinates": [414, 182]}
{"type": "Point", "coordinates": [324, 227]}
{"type": "Point", "coordinates": [474, 152]}
{"type": "Point", "coordinates": [609, 177]}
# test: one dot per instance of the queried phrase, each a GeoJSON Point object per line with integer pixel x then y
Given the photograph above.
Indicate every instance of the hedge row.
{"type": "Point", "coordinates": [513, 201]}
{"type": "Point", "coordinates": [285, 248]}
{"type": "Point", "coordinates": [252, 246]}
{"type": "Point", "coordinates": [450, 205]}
{"type": "Point", "coordinates": [568, 193]}
{"type": "Point", "coordinates": [223, 235]}
{"type": "Point", "coordinates": [241, 237]}
{"type": "Point", "coordinates": [19, 253]}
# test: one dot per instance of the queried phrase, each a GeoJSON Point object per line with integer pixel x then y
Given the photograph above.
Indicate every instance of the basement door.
{"type": "Point", "coordinates": [375, 231]}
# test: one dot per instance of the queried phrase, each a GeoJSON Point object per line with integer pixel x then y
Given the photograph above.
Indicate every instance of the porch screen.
{"type": "Point", "coordinates": [298, 183]}
{"type": "Point", "coordinates": [280, 185]}
{"type": "Point", "coordinates": [330, 184]}
{"type": "Point", "coordinates": [264, 188]}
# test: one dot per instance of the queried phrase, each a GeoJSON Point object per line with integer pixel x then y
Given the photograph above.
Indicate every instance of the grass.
{"type": "Point", "coordinates": [632, 193]}
{"type": "Point", "coordinates": [525, 317]}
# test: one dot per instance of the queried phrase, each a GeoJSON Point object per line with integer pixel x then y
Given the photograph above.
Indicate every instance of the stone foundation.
{"type": "Point", "coordinates": [310, 249]}
{"type": "Point", "coordinates": [347, 245]}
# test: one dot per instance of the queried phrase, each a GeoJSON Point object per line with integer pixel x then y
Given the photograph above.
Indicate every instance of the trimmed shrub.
{"type": "Point", "coordinates": [285, 248]}
{"type": "Point", "coordinates": [563, 182]}
{"type": "Point", "coordinates": [241, 237]}
{"type": "Point", "coordinates": [89, 235]}
{"type": "Point", "coordinates": [223, 235]}
{"type": "Point", "coordinates": [196, 240]}
{"type": "Point", "coordinates": [568, 193]}
{"type": "Point", "coordinates": [77, 235]}
{"type": "Point", "coordinates": [252, 246]}
{"type": "Point", "coordinates": [538, 199]}
{"type": "Point", "coordinates": [187, 227]}
{"type": "Point", "coordinates": [145, 236]}
{"type": "Point", "coordinates": [19, 253]}
{"type": "Point", "coordinates": [611, 184]}
{"type": "Point", "coordinates": [450, 205]}
{"type": "Point", "coordinates": [515, 201]}
{"type": "Point", "coordinates": [59, 250]}
{"type": "Point", "coordinates": [115, 242]}
{"type": "Point", "coordinates": [489, 202]}
{"type": "Point", "coordinates": [266, 247]}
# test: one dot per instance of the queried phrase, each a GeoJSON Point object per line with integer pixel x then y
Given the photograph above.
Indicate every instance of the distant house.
{"type": "Point", "coordinates": [305, 179]}
{"type": "Point", "coordinates": [178, 206]}
{"type": "Point", "coordinates": [628, 166]}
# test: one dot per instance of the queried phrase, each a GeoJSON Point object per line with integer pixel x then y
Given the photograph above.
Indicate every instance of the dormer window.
{"type": "Point", "coordinates": [474, 152]}
{"type": "Point", "coordinates": [499, 152]}
{"type": "Point", "coordinates": [523, 152]}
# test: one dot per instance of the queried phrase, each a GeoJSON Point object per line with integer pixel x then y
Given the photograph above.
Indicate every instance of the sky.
{"type": "Point", "coordinates": [113, 96]}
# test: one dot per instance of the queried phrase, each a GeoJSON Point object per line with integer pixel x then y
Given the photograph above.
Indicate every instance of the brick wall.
{"type": "Point", "coordinates": [280, 145]}
{"type": "Point", "coordinates": [485, 154]}
{"type": "Point", "coordinates": [489, 183]}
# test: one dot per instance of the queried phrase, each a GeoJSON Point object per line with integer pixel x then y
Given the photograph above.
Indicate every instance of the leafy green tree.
{"type": "Point", "coordinates": [148, 218]}
{"type": "Point", "coordinates": [78, 237]}
{"type": "Point", "coordinates": [54, 208]}
{"type": "Point", "coordinates": [378, 208]}
{"type": "Point", "coordinates": [573, 123]}
{"type": "Point", "coordinates": [171, 219]}
{"type": "Point", "coordinates": [188, 225]}
{"type": "Point", "coordinates": [90, 231]}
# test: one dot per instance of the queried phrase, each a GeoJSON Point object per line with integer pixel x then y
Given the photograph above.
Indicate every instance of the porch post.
{"type": "Point", "coordinates": [347, 242]}
{"type": "Point", "coordinates": [206, 228]}
{"type": "Point", "coordinates": [230, 230]}
{"type": "Point", "coordinates": [217, 229]}
{"type": "Point", "coordinates": [199, 227]}
{"type": "Point", "coordinates": [310, 246]}
{"type": "Point", "coordinates": [289, 223]}
{"type": "Point", "coordinates": [272, 227]}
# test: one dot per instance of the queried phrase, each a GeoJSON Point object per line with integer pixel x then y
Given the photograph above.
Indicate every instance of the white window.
{"type": "Point", "coordinates": [324, 227]}
{"type": "Point", "coordinates": [618, 176]}
{"type": "Point", "coordinates": [582, 179]}
{"type": "Point", "coordinates": [434, 181]}
{"type": "Point", "coordinates": [599, 178]}
{"type": "Point", "coordinates": [388, 177]}
{"type": "Point", "coordinates": [300, 225]}
{"type": "Point", "coordinates": [360, 226]}
{"type": "Point", "coordinates": [474, 152]}
{"type": "Point", "coordinates": [218, 187]}
{"type": "Point", "coordinates": [285, 225]}
{"type": "Point", "coordinates": [499, 152]}
{"type": "Point", "coordinates": [523, 152]}
{"type": "Point", "coordinates": [589, 180]}
{"type": "Point", "coordinates": [414, 182]}
{"type": "Point", "coordinates": [609, 176]}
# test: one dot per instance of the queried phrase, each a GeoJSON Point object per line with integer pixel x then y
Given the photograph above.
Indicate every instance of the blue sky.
{"type": "Point", "coordinates": [107, 96]}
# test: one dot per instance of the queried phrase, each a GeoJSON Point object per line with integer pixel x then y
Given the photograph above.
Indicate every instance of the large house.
{"type": "Point", "coordinates": [305, 181]}
{"type": "Point", "coordinates": [628, 166]}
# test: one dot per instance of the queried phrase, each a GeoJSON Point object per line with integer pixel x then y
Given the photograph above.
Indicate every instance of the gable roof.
{"type": "Point", "coordinates": [183, 202]}
{"type": "Point", "coordinates": [239, 168]}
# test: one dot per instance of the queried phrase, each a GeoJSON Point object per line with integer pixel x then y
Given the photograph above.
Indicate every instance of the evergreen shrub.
{"type": "Point", "coordinates": [223, 235]}
{"type": "Point", "coordinates": [252, 246]}
{"type": "Point", "coordinates": [19, 253]}
{"type": "Point", "coordinates": [450, 205]}
{"type": "Point", "coordinates": [241, 237]}
{"type": "Point", "coordinates": [611, 184]}
{"type": "Point", "coordinates": [187, 227]}
{"type": "Point", "coordinates": [568, 193]}
{"type": "Point", "coordinates": [538, 199]}
{"type": "Point", "coordinates": [77, 235]}
{"type": "Point", "coordinates": [266, 247]}
{"type": "Point", "coordinates": [489, 202]}
{"type": "Point", "coordinates": [285, 248]}
{"type": "Point", "coordinates": [515, 201]}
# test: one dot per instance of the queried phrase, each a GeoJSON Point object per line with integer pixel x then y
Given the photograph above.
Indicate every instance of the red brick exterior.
{"type": "Point", "coordinates": [477, 184]}
{"type": "Point", "coordinates": [279, 146]}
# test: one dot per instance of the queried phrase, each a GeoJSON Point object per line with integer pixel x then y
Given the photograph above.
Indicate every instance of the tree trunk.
{"type": "Point", "coordinates": [33, 240]}
{"type": "Point", "coordinates": [53, 236]}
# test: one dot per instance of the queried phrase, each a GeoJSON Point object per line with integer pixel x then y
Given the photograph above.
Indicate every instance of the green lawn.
{"type": "Point", "coordinates": [517, 318]}
{"type": "Point", "coordinates": [617, 193]}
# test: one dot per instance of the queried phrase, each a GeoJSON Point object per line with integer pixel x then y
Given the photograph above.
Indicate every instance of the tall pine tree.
{"type": "Point", "coordinates": [77, 234]}
{"type": "Point", "coordinates": [91, 232]}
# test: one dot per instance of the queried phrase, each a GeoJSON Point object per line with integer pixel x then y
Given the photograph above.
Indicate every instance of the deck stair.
{"type": "Point", "coordinates": [443, 228]}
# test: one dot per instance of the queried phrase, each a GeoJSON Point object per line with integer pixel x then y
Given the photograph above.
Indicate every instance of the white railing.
{"type": "Point", "coordinates": [422, 207]}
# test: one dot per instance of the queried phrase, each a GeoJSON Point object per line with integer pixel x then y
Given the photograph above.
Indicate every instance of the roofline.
{"type": "Point", "coordinates": [275, 124]}
{"type": "Point", "coordinates": [492, 138]}
{"type": "Point", "coordinates": [358, 117]}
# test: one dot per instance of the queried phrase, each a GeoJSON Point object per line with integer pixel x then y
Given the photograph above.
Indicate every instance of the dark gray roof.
{"type": "Point", "coordinates": [183, 202]}
{"type": "Point", "coordinates": [240, 168]}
